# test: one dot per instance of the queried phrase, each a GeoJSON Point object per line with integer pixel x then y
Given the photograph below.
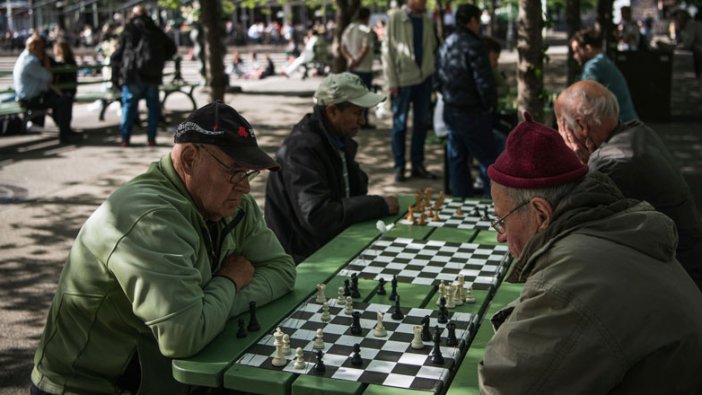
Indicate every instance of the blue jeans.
{"type": "Point", "coordinates": [420, 96]}
{"type": "Point", "coordinates": [131, 93]}
{"type": "Point", "coordinates": [469, 134]}
{"type": "Point", "coordinates": [367, 79]}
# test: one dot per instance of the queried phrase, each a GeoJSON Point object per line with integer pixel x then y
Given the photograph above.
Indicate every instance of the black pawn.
{"type": "Point", "coordinates": [426, 332]}
{"type": "Point", "coordinates": [381, 286]}
{"type": "Point", "coordinates": [443, 311]}
{"type": "Point", "coordinates": [354, 286]}
{"type": "Point", "coordinates": [451, 340]}
{"type": "Point", "coordinates": [242, 330]}
{"type": "Point", "coordinates": [486, 216]}
{"type": "Point", "coordinates": [476, 211]}
{"type": "Point", "coordinates": [356, 359]}
{"type": "Point", "coordinates": [347, 288]}
{"type": "Point", "coordinates": [393, 292]}
{"type": "Point", "coordinates": [397, 313]}
{"type": "Point", "coordinates": [356, 325]}
{"type": "Point", "coordinates": [253, 322]}
{"type": "Point", "coordinates": [436, 357]}
{"type": "Point", "coordinates": [319, 365]}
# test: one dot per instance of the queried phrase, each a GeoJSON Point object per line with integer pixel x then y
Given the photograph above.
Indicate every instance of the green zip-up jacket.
{"type": "Point", "coordinates": [138, 286]}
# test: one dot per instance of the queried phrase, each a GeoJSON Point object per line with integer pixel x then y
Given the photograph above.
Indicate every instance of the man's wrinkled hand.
{"type": "Point", "coordinates": [238, 269]}
{"type": "Point", "coordinates": [393, 204]}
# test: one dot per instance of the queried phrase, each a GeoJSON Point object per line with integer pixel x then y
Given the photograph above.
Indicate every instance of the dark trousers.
{"type": "Point", "coordinates": [61, 109]}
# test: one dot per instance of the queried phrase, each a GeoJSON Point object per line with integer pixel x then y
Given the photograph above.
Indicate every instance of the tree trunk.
{"type": "Point", "coordinates": [214, 51]}
{"type": "Point", "coordinates": [530, 67]}
{"type": "Point", "coordinates": [574, 24]}
{"type": "Point", "coordinates": [345, 10]}
{"type": "Point", "coordinates": [604, 20]}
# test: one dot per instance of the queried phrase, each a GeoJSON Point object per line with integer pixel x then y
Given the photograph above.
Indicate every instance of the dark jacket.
{"type": "Point", "coordinates": [605, 307]}
{"type": "Point", "coordinates": [463, 73]}
{"type": "Point", "coordinates": [124, 59]}
{"type": "Point", "coordinates": [66, 77]}
{"type": "Point", "coordinates": [643, 169]}
{"type": "Point", "coordinates": [306, 203]}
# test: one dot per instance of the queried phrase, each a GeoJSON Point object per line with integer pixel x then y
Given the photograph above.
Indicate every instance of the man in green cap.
{"type": "Point", "coordinates": [320, 189]}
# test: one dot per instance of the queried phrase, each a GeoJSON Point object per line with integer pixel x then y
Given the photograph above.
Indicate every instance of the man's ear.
{"type": "Point", "coordinates": [189, 156]}
{"type": "Point", "coordinates": [542, 212]}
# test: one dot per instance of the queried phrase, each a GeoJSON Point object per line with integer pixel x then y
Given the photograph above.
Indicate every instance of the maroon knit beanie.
{"type": "Point", "coordinates": [535, 157]}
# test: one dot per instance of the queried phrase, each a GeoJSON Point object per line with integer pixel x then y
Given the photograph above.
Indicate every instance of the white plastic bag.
{"type": "Point", "coordinates": [440, 128]}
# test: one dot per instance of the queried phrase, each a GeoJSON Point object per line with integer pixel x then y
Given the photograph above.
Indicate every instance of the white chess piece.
{"type": "Point", "coordinates": [470, 299]}
{"type": "Point", "coordinates": [286, 344]}
{"type": "Point", "coordinates": [460, 295]}
{"type": "Point", "coordinates": [319, 340]}
{"type": "Point", "coordinates": [380, 225]}
{"type": "Point", "coordinates": [299, 359]}
{"type": "Point", "coordinates": [451, 293]}
{"type": "Point", "coordinates": [417, 342]}
{"type": "Point", "coordinates": [349, 305]}
{"type": "Point", "coordinates": [441, 293]}
{"type": "Point", "coordinates": [341, 300]}
{"type": "Point", "coordinates": [321, 297]}
{"type": "Point", "coordinates": [325, 312]}
{"type": "Point", "coordinates": [278, 358]}
{"type": "Point", "coordinates": [379, 330]}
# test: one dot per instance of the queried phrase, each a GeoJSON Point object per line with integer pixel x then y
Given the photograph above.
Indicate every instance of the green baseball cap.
{"type": "Point", "coordinates": [345, 87]}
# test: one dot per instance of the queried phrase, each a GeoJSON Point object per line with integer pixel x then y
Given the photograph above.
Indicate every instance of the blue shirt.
{"type": "Point", "coordinates": [602, 70]}
{"type": "Point", "coordinates": [417, 36]}
{"type": "Point", "coordinates": [30, 77]}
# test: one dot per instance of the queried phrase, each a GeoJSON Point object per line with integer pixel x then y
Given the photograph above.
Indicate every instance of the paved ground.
{"type": "Point", "coordinates": [48, 190]}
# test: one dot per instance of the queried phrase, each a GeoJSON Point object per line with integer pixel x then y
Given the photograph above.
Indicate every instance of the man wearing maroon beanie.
{"type": "Point", "coordinates": [605, 307]}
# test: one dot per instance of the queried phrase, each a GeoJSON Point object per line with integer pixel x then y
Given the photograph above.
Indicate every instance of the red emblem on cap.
{"type": "Point", "coordinates": [243, 132]}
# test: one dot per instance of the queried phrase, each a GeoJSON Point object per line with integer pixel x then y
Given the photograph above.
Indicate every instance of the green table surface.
{"type": "Point", "coordinates": [214, 366]}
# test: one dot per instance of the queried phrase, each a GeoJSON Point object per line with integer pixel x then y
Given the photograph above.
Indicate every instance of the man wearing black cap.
{"type": "Point", "coordinates": [158, 269]}
{"type": "Point", "coordinates": [605, 307]}
{"type": "Point", "coordinates": [321, 189]}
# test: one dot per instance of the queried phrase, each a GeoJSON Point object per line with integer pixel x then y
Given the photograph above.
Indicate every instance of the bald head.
{"type": "Point", "coordinates": [588, 102]}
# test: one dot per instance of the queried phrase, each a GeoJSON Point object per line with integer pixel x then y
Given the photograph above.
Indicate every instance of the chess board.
{"type": "Point", "coordinates": [473, 215]}
{"type": "Point", "coordinates": [430, 262]}
{"type": "Point", "coordinates": [388, 360]}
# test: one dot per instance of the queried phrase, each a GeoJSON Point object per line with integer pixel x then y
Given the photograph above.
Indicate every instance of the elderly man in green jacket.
{"type": "Point", "coordinates": [605, 306]}
{"type": "Point", "coordinates": [158, 269]}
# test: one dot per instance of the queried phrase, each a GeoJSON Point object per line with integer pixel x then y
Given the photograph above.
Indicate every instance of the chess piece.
{"type": "Point", "coordinates": [397, 313]}
{"type": "Point", "coordinates": [325, 312]}
{"type": "Point", "coordinates": [356, 360]}
{"type": "Point", "coordinates": [299, 359]}
{"type": "Point", "coordinates": [393, 292]}
{"type": "Point", "coordinates": [321, 297]}
{"type": "Point", "coordinates": [443, 312]}
{"type": "Point", "coordinates": [436, 217]}
{"type": "Point", "coordinates": [436, 356]}
{"type": "Point", "coordinates": [242, 330]}
{"type": "Point", "coordinates": [486, 216]}
{"type": "Point", "coordinates": [349, 305]}
{"type": "Point", "coordinates": [422, 219]}
{"type": "Point", "coordinates": [379, 330]}
{"type": "Point", "coordinates": [354, 286]}
{"type": "Point", "coordinates": [286, 344]}
{"type": "Point", "coordinates": [417, 342]}
{"type": "Point", "coordinates": [356, 324]}
{"type": "Point", "coordinates": [410, 214]}
{"type": "Point", "coordinates": [318, 340]}
{"type": "Point", "coordinates": [253, 322]}
{"type": "Point", "coordinates": [380, 225]}
{"type": "Point", "coordinates": [476, 211]}
{"type": "Point", "coordinates": [278, 358]}
{"type": "Point", "coordinates": [341, 299]}
{"type": "Point", "coordinates": [426, 331]}
{"type": "Point", "coordinates": [441, 292]}
{"type": "Point", "coordinates": [459, 212]}
{"type": "Point", "coordinates": [470, 299]}
{"type": "Point", "coordinates": [451, 293]}
{"type": "Point", "coordinates": [451, 340]}
{"type": "Point", "coordinates": [319, 365]}
{"type": "Point", "coordinates": [460, 291]}
{"type": "Point", "coordinates": [347, 288]}
{"type": "Point", "coordinates": [381, 286]}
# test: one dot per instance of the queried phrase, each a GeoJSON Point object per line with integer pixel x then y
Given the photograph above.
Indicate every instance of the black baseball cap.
{"type": "Point", "coordinates": [221, 125]}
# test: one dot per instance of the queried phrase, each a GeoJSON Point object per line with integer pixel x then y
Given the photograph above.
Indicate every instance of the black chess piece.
{"type": "Point", "coordinates": [393, 292]}
{"type": "Point", "coordinates": [381, 286]}
{"type": "Point", "coordinates": [426, 332]}
{"type": "Point", "coordinates": [319, 364]}
{"type": "Point", "coordinates": [354, 286]}
{"type": "Point", "coordinates": [356, 325]}
{"type": "Point", "coordinates": [253, 322]}
{"type": "Point", "coordinates": [476, 211]}
{"type": "Point", "coordinates": [451, 340]}
{"type": "Point", "coordinates": [347, 288]}
{"type": "Point", "coordinates": [436, 356]}
{"type": "Point", "coordinates": [397, 313]}
{"type": "Point", "coordinates": [486, 216]}
{"type": "Point", "coordinates": [242, 330]}
{"type": "Point", "coordinates": [356, 359]}
{"type": "Point", "coordinates": [443, 311]}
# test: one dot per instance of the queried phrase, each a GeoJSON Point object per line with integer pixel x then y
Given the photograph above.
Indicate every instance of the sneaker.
{"type": "Point", "coordinates": [124, 143]}
{"type": "Point", "coordinates": [421, 172]}
{"type": "Point", "coordinates": [400, 175]}
{"type": "Point", "coordinates": [152, 143]}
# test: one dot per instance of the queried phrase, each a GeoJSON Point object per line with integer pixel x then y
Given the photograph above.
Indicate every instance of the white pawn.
{"type": "Point", "coordinates": [321, 297]}
{"type": "Point", "coordinates": [461, 295]}
{"type": "Point", "coordinates": [325, 312]}
{"type": "Point", "coordinates": [470, 299]}
{"type": "Point", "coordinates": [278, 358]}
{"type": "Point", "coordinates": [299, 359]}
{"type": "Point", "coordinates": [286, 344]}
{"type": "Point", "coordinates": [349, 305]}
{"type": "Point", "coordinates": [379, 330]}
{"type": "Point", "coordinates": [450, 301]}
{"type": "Point", "coordinates": [319, 340]}
{"type": "Point", "coordinates": [341, 300]}
{"type": "Point", "coordinates": [441, 293]}
{"type": "Point", "coordinates": [417, 342]}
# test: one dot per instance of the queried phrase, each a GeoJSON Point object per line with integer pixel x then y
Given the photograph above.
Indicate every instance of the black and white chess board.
{"type": "Point", "coordinates": [430, 262]}
{"type": "Point", "coordinates": [473, 216]}
{"type": "Point", "coordinates": [388, 360]}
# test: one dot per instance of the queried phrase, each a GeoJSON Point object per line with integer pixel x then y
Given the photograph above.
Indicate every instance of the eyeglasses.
{"type": "Point", "coordinates": [499, 224]}
{"type": "Point", "coordinates": [235, 176]}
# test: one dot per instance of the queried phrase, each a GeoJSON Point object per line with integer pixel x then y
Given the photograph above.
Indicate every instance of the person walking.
{"type": "Point", "coordinates": [137, 68]}
{"type": "Point", "coordinates": [357, 48]}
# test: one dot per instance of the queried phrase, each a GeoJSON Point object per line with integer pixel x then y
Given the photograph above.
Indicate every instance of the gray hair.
{"type": "Point", "coordinates": [592, 109]}
{"type": "Point", "coordinates": [553, 194]}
